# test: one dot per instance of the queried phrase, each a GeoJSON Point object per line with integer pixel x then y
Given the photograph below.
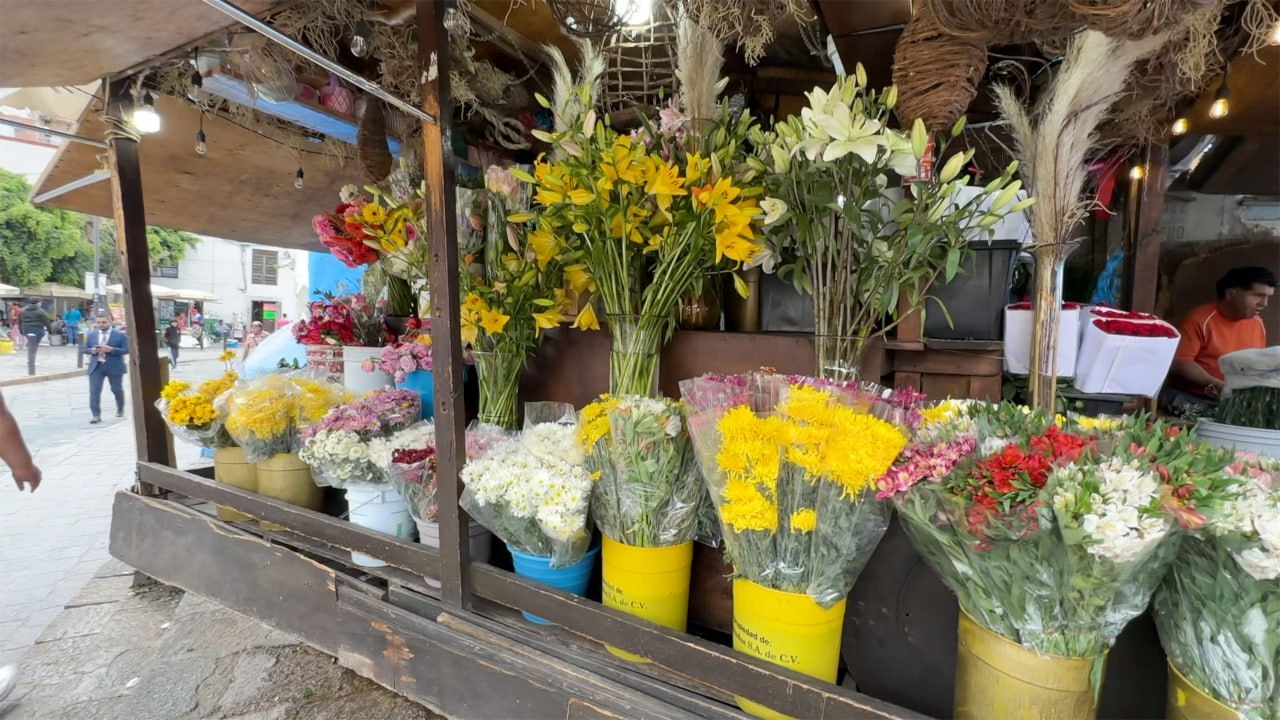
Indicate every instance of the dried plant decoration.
{"type": "Point", "coordinates": [699, 59]}
{"type": "Point", "coordinates": [937, 73]}
{"type": "Point", "coordinates": [1053, 143]}
{"type": "Point", "coordinates": [1006, 21]}
{"type": "Point", "coordinates": [748, 24]}
{"type": "Point", "coordinates": [1135, 19]}
{"type": "Point", "coordinates": [566, 104]}
{"type": "Point", "coordinates": [1260, 20]}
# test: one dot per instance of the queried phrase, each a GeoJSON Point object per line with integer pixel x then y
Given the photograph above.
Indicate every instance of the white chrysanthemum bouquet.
{"type": "Point", "coordinates": [533, 491]}
{"type": "Point", "coordinates": [337, 447]}
{"type": "Point", "coordinates": [1218, 609]}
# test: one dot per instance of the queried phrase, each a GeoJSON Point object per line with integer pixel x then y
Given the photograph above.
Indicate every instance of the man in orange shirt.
{"type": "Point", "coordinates": [1232, 322]}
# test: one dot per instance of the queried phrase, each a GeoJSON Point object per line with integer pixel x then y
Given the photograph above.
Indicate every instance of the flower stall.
{"type": "Point", "coordinates": [649, 508]}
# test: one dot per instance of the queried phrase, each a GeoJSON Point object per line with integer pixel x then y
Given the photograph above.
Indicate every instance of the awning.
{"type": "Point", "coordinates": [197, 295]}
{"type": "Point", "coordinates": [56, 290]}
{"type": "Point", "coordinates": [8, 290]}
{"type": "Point", "coordinates": [158, 292]}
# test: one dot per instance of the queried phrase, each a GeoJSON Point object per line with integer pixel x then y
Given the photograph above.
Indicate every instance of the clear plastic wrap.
{"type": "Point", "coordinates": [265, 416]}
{"type": "Point", "coordinates": [407, 460]}
{"type": "Point", "coordinates": [532, 491]}
{"type": "Point", "coordinates": [792, 475]}
{"type": "Point", "coordinates": [337, 447]}
{"type": "Point", "coordinates": [194, 414]}
{"type": "Point", "coordinates": [647, 489]}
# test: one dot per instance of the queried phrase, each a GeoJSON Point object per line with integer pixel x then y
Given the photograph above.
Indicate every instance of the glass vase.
{"type": "Point", "coordinates": [839, 357]}
{"type": "Point", "coordinates": [635, 343]}
{"type": "Point", "coordinates": [499, 373]}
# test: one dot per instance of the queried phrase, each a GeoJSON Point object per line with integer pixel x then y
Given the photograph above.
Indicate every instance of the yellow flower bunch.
{"type": "Point", "coordinates": [192, 410]}
{"type": "Point", "coordinates": [751, 457]}
{"type": "Point", "coordinates": [227, 356]}
{"type": "Point", "coordinates": [1097, 424]}
{"type": "Point", "coordinates": [267, 416]}
{"type": "Point", "coordinates": [593, 422]}
{"type": "Point", "coordinates": [216, 386]}
{"type": "Point", "coordinates": [830, 440]}
{"type": "Point", "coordinates": [174, 389]}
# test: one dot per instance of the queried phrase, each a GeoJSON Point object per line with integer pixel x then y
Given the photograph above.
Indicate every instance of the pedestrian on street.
{"type": "Point", "coordinates": [254, 338]}
{"type": "Point", "coordinates": [106, 348]}
{"type": "Point", "coordinates": [197, 334]}
{"type": "Point", "coordinates": [14, 452]}
{"type": "Point", "coordinates": [33, 321]}
{"type": "Point", "coordinates": [173, 338]}
{"type": "Point", "coordinates": [72, 318]}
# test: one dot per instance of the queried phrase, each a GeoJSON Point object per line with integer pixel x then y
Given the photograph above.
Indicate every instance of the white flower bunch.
{"type": "Point", "coordinates": [667, 412]}
{"type": "Point", "coordinates": [1254, 515]}
{"type": "Point", "coordinates": [1117, 504]}
{"type": "Point", "coordinates": [420, 435]}
{"type": "Point", "coordinates": [339, 457]}
{"type": "Point", "coordinates": [533, 492]}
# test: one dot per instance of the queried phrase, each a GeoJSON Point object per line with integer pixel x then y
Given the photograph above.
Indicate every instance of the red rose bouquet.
{"type": "Point", "coordinates": [1135, 328]}
{"type": "Point", "coordinates": [349, 320]}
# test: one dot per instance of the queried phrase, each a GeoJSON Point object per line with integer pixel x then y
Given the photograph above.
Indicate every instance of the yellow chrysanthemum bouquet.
{"type": "Point", "coordinates": [642, 220]}
{"type": "Point", "coordinates": [512, 290]}
{"type": "Point", "coordinates": [266, 416]}
{"type": "Point", "coordinates": [792, 464]}
{"type": "Point", "coordinates": [191, 412]}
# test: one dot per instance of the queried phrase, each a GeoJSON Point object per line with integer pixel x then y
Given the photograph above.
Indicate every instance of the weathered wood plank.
{"type": "Point", "coordinates": [949, 362]}
{"type": "Point", "coordinates": [1148, 235]}
{"type": "Point", "coordinates": [199, 554]}
{"type": "Point", "coordinates": [413, 557]}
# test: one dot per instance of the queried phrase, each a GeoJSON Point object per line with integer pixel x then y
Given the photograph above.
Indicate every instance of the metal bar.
{"type": "Point", "coordinates": [150, 434]}
{"type": "Point", "coordinates": [96, 177]}
{"type": "Point", "coordinates": [410, 556]}
{"type": "Point", "coordinates": [433, 60]}
{"type": "Point", "coordinates": [292, 45]}
{"type": "Point", "coordinates": [56, 133]}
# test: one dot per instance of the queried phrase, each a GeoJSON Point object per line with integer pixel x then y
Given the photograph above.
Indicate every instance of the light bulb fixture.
{"type": "Point", "coordinates": [297, 179]}
{"type": "Point", "coordinates": [1221, 105]}
{"type": "Point", "coordinates": [145, 118]}
{"type": "Point", "coordinates": [201, 147]}
{"type": "Point", "coordinates": [1180, 126]}
{"type": "Point", "coordinates": [1137, 172]}
{"type": "Point", "coordinates": [360, 40]}
{"type": "Point", "coordinates": [1274, 37]}
{"type": "Point", "coordinates": [634, 13]}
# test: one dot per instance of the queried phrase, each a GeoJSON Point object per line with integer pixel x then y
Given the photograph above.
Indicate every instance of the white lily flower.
{"type": "Point", "coordinates": [773, 209]}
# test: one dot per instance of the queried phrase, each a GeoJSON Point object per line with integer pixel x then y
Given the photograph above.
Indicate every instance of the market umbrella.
{"type": "Point", "coordinates": [55, 290]}
{"type": "Point", "coordinates": [159, 292]}
{"type": "Point", "coordinates": [197, 295]}
{"type": "Point", "coordinates": [8, 290]}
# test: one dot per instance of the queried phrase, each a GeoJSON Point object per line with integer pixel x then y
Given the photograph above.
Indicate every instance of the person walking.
{"type": "Point", "coordinates": [72, 318]}
{"type": "Point", "coordinates": [173, 338]}
{"type": "Point", "coordinates": [106, 348]}
{"type": "Point", "coordinates": [14, 452]}
{"type": "Point", "coordinates": [253, 339]}
{"type": "Point", "coordinates": [33, 321]}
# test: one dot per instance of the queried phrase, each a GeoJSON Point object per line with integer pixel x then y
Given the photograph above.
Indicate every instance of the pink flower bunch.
{"type": "Point", "coordinates": [715, 390]}
{"type": "Point", "coordinates": [923, 462]}
{"type": "Point", "coordinates": [378, 413]}
{"type": "Point", "coordinates": [482, 437]}
{"type": "Point", "coordinates": [402, 358]}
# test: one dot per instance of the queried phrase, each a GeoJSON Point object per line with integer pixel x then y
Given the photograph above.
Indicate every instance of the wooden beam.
{"type": "Point", "coordinates": [504, 37]}
{"type": "Point", "coordinates": [1147, 235]}
{"type": "Point", "coordinates": [438, 160]}
{"type": "Point", "coordinates": [150, 434]}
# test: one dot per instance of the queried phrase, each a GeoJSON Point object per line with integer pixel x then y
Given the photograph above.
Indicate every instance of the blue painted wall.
{"type": "Point", "coordinates": [328, 274]}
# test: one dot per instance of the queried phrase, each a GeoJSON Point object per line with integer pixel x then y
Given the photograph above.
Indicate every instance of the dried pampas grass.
{"type": "Point", "coordinates": [699, 59]}
{"type": "Point", "coordinates": [566, 106]}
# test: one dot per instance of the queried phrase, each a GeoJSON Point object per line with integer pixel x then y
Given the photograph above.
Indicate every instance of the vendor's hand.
{"type": "Point", "coordinates": [1214, 389]}
{"type": "Point", "coordinates": [29, 476]}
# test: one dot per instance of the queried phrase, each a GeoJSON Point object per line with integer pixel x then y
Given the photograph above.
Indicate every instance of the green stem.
{"type": "Point", "coordinates": [499, 373]}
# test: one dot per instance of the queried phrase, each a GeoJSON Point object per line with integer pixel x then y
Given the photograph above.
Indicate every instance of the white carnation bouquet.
{"type": "Point", "coordinates": [1218, 609]}
{"type": "Point", "coordinates": [533, 491]}
{"type": "Point", "coordinates": [337, 447]}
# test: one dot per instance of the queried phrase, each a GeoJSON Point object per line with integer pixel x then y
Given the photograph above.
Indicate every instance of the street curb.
{"type": "Point", "coordinates": [40, 378]}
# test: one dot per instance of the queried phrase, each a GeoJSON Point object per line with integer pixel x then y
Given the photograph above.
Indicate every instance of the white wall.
{"type": "Point", "coordinates": [1195, 218]}
{"type": "Point", "coordinates": [223, 267]}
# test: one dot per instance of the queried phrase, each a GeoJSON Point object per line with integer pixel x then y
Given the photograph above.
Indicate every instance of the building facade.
{"type": "Point", "coordinates": [252, 282]}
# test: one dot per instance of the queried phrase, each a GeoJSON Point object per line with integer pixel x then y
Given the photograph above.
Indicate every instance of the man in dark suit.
{"type": "Point", "coordinates": [106, 348]}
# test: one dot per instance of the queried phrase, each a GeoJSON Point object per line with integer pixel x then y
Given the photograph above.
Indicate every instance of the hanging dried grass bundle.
{"type": "Point", "coordinates": [1053, 143]}
{"type": "Point", "coordinates": [1005, 21]}
{"type": "Point", "coordinates": [748, 24]}
{"type": "Point", "coordinates": [1135, 19]}
{"type": "Point", "coordinates": [937, 73]}
{"type": "Point", "coordinates": [1259, 20]}
{"type": "Point", "coordinates": [371, 142]}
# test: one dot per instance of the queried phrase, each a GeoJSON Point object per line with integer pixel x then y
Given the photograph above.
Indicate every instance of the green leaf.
{"type": "Point", "coordinates": [953, 264]}
{"type": "Point", "coordinates": [958, 127]}
{"type": "Point", "coordinates": [522, 175]}
{"type": "Point", "coordinates": [544, 302]}
{"type": "Point", "coordinates": [543, 101]}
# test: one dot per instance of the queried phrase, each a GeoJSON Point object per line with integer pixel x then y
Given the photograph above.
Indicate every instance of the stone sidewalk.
{"type": "Point", "coordinates": [156, 654]}
{"type": "Point", "coordinates": [60, 361]}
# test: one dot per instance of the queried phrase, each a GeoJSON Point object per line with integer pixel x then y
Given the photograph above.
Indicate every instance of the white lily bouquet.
{"type": "Point", "coordinates": [1218, 609]}
{"type": "Point", "coordinates": [533, 490]}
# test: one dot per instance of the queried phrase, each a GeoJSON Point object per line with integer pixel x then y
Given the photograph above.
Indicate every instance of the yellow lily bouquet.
{"type": "Point", "coordinates": [191, 413]}
{"type": "Point", "coordinates": [509, 299]}
{"type": "Point", "coordinates": [641, 220]}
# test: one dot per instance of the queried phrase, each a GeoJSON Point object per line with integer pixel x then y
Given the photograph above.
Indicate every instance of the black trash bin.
{"type": "Point", "coordinates": [975, 297]}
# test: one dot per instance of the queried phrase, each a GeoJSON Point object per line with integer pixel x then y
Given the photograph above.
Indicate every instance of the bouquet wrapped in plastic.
{"type": "Point", "coordinates": [407, 460]}
{"type": "Point", "coordinates": [792, 463]}
{"type": "Point", "coordinates": [266, 416]}
{"type": "Point", "coordinates": [648, 492]}
{"type": "Point", "coordinates": [533, 492]}
{"type": "Point", "coordinates": [1052, 533]}
{"type": "Point", "coordinates": [1218, 609]}
{"type": "Point", "coordinates": [191, 413]}
{"type": "Point", "coordinates": [337, 447]}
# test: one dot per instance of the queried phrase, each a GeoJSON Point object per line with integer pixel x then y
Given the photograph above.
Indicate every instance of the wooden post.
{"type": "Point", "coordinates": [150, 433]}
{"type": "Point", "coordinates": [1147, 230]}
{"type": "Point", "coordinates": [433, 64]}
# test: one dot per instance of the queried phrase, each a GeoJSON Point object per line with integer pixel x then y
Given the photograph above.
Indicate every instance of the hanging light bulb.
{"type": "Point", "coordinates": [145, 118]}
{"type": "Point", "coordinates": [1274, 37]}
{"type": "Point", "coordinates": [1180, 126]}
{"type": "Point", "coordinates": [1221, 107]}
{"type": "Point", "coordinates": [297, 179]}
{"type": "Point", "coordinates": [201, 147]}
{"type": "Point", "coordinates": [1137, 172]}
{"type": "Point", "coordinates": [360, 41]}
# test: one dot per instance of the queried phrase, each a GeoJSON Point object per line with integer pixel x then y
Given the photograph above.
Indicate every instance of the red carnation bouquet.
{"type": "Point", "coordinates": [1133, 328]}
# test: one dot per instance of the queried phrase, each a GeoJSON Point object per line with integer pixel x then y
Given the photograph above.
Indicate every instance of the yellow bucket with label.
{"type": "Point", "coordinates": [998, 678]}
{"type": "Point", "coordinates": [287, 478]}
{"type": "Point", "coordinates": [1188, 702]}
{"type": "Point", "coordinates": [651, 583]}
{"type": "Point", "coordinates": [787, 629]}
{"type": "Point", "coordinates": [231, 467]}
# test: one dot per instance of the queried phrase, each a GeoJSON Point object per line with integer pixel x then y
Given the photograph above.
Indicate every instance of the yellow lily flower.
{"type": "Point", "coordinates": [493, 321]}
{"type": "Point", "coordinates": [664, 182]}
{"type": "Point", "coordinates": [696, 167]}
{"type": "Point", "coordinates": [545, 245]}
{"type": "Point", "coordinates": [586, 319]}
{"type": "Point", "coordinates": [475, 302]}
{"type": "Point", "coordinates": [546, 320]}
{"type": "Point", "coordinates": [581, 197]}
{"type": "Point", "coordinates": [470, 333]}
{"type": "Point", "coordinates": [580, 279]}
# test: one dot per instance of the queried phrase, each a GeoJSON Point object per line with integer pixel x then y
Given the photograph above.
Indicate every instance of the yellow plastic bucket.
{"type": "Point", "coordinates": [787, 629]}
{"type": "Point", "coordinates": [652, 583]}
{"type": "Point", "coordinates": [998, 678]}
{"type": "Point", "coordinates": [287, 478]}
{"type": "Point", "coordinates": [231, 467]}
{"type": "Point", "coordinates": [1188, 702]}
{"type": "Point", "coordinates": [6, 346]}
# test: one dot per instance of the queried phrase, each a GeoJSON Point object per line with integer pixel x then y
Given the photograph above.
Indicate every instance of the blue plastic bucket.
{"type": "Point", "coordinates": [422, 382]}
{"type": "Point", "coordinates": [573, 578]}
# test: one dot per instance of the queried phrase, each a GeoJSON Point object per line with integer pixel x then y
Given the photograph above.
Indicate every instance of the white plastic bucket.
{"type": "Point", "coordinates": [354, 378]}
{"type": "Point", "coordinates": [1246, 439]}
{"type": "Point", "coordinates": [381, 508]}
{"type": "Point", "coordinates": [480, 543]}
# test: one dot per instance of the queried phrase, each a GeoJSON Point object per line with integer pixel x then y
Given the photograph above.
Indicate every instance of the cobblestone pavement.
{"type": "Point", "coordinates": [52, 541]}
{"type": "Point", "coordinates": [62, 359]}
